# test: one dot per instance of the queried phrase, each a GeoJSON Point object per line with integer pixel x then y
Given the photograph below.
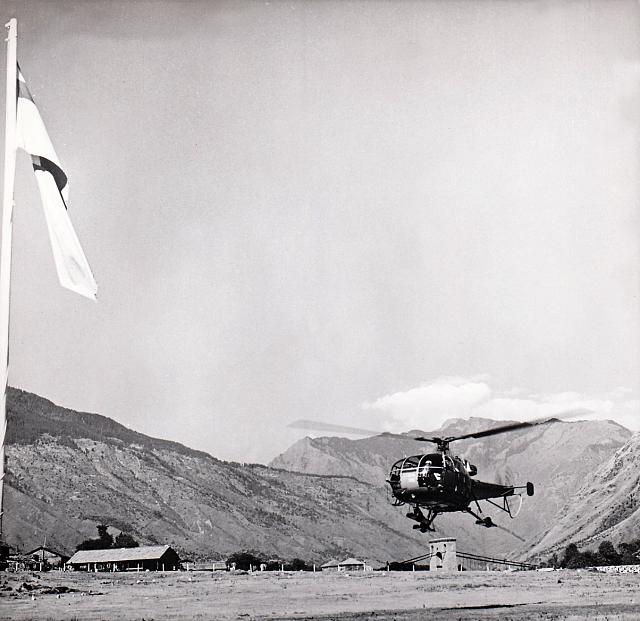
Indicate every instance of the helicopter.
{"type": "Point", "coordinates": [441, 482]}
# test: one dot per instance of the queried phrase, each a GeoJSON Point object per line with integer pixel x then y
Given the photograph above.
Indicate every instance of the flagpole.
{"type": "Point", "coordinates": [7, 229]}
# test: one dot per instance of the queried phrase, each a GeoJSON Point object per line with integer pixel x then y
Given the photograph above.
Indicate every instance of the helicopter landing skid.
{"type": "Point", "coordinates": [487, 522]}
{"type": "Point", "coordinates": [424, 523]}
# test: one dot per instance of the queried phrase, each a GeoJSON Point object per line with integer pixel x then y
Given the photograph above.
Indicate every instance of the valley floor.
{"type": "Point", "coordinates": [321, 596]}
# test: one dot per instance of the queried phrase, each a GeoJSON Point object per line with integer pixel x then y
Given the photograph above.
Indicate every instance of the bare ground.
{"type": "Point", "coordinates": [516, 596]}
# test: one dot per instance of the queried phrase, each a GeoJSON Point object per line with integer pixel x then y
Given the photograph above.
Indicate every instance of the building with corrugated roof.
{"type": "Point", "coordinates": [154, 558]}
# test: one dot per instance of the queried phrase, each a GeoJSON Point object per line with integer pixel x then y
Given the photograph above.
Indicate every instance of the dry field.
{"type": "Point", "coordinates": [321, 596]}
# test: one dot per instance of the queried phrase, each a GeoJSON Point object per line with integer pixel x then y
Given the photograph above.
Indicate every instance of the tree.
{"type": "Point", "coordinates": [104, 536]}
{"type": "Point", "coordinates": [104, 540]}
{"type": "Point", "coordinates": [297, 564]}
{"type": "Point", "coordinates": [607, 554]}
{"type": "Point", "coordinates": [571, 558]}
{"type": "Point", "coordinates": [628, 552]}
{"type": "Point", "coordinates": [245, 560]}
{"type": "Point", "coordinates": [124, 540]}
{"type": "Point", "coordinates": [590, 559]}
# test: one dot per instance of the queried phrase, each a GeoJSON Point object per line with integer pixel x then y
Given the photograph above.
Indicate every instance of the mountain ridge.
{"type": "Point", "coordinates": [25, 423]}
{"type": "Point", "coordinates": [555, 457]}
{"type": "Point", "coordinates": [605, 506]}
{"type": "Point", "coordinates": [68, 471]}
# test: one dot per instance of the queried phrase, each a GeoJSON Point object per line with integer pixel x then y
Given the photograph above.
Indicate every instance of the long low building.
{"type": "Point", "coordinates": [350, 564]}
{"type": "Point", "coordinates": [154, 558]}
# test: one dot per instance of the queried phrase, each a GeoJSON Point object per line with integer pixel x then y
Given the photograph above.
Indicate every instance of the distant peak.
{"type": "Point", "coordinates": [473, 423]}
{"type": "Point", "coordinates": [453, 421]}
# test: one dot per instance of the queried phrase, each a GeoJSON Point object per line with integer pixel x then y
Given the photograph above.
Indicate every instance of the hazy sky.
{"type": "Point", "coordinates": [372, 213]}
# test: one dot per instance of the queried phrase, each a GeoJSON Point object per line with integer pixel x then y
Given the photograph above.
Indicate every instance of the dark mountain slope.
{"type": "Point", "coordinates": [30, 416]}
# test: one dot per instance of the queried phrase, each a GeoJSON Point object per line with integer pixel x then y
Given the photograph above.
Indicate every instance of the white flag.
{"type": "Point", "coordinates": [73, 269]}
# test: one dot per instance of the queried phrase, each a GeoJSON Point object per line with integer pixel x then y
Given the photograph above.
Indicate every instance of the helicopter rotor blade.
{"type": "Point", "coordinates": [314, 425]}
{"type": "Point", "coordinates": [507, 530]}
{"type": "Point", "coordinates": [515, 426]}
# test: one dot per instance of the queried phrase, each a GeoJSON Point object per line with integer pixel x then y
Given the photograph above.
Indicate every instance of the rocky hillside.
{"type": "Point", "coordinates": [323, 498]}
{"type": "Point", "coordinates": [605, 507]}
{"type": "Point", "coordinates": [68, 471]}
{"type": "Point", "coordinates": [555, 457]}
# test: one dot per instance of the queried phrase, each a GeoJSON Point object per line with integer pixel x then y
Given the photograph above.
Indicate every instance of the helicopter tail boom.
{"type": "Point", "coordinates": [486, 491]}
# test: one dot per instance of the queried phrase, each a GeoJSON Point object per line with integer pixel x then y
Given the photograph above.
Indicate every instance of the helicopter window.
{"type": "Point", "coordinates": [395, 470]}
{"type": "Point", "coordinates": [424, 468]}
{"type": "Point", "coordinates": [435, 459]}
{"type": "Point", "coordinates": [411, 462]}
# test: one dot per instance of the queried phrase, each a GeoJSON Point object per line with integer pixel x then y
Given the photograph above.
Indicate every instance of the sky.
{"type": "Point", "coordinates": [378, 214]}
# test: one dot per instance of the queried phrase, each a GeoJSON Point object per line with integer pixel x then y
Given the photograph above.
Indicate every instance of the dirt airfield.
{"type": "Point", "coordinates": [320, 596]}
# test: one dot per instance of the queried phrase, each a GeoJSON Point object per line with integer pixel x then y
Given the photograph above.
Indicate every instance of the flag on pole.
{"type": "Point", "coordinates": [73, 269]}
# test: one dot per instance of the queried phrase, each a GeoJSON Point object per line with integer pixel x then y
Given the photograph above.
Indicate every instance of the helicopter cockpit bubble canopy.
{"type": "Point", "coordinates": [415, 471]}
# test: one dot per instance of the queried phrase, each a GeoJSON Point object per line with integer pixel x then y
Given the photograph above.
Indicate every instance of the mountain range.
{"type": "Point", "coordinates": [323, 498]}
{"type": "Point", "coordinates": [570, 464]}
{"type": "Point", "coordinates": [69, 471]}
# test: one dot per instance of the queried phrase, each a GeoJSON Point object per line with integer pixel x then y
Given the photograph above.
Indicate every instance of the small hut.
{"type": "Point", "coordinates": [353, 564]}
{"type": "Point", "coordinates": [44, 557]}
{"type": "Point", "coordinates": [331, 565]}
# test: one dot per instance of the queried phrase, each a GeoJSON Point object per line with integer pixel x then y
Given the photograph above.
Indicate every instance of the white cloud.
{"type": "Point", "coordinates": [430, 404]}
{"type": "Point", "coordinates": [627, 414]}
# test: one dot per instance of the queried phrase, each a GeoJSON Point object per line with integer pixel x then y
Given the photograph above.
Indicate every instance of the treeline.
{"type": "Point", "coordinates": [606, 554]}
{"type": "Point", "coordinates": [252, 560]}
{"type": "Point", "coordinates": [105, 540]}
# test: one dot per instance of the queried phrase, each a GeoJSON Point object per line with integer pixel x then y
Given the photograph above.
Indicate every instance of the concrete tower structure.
{"type": "Point", "coordinates": [443, 554]}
